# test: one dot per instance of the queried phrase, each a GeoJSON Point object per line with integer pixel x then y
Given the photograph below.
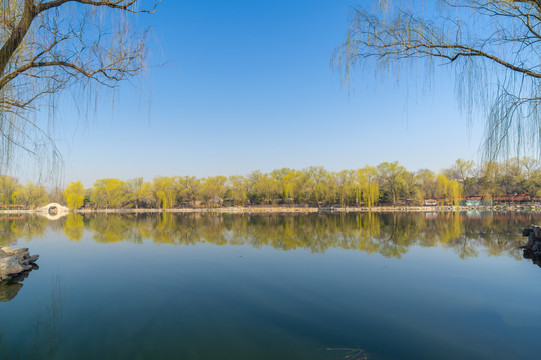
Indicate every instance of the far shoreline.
{"type": "Point", "coordinates": [303, 210]}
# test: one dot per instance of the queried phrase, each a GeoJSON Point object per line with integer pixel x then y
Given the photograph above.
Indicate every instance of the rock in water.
{"type": "Point", "coordinates": [14, 262]}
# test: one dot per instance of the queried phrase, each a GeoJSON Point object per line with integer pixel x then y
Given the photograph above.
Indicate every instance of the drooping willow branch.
{"type": "Point", "coordinates": [493, 46]}
{"type": "Point", "coordinates": [50, 46]}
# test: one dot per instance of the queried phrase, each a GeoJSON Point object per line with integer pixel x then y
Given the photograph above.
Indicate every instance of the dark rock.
{"type": "Point", "coordinates": [9, 265]}
{"type": "Point", "coordinates": [14, 262]}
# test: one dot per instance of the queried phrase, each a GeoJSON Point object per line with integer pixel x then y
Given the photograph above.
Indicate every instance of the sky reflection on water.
{"type": "Point", "coordinates": [399, 286]}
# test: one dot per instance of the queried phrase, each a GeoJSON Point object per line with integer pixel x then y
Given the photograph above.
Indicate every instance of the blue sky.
{"type": "Point", "coordinates": [247, 85]}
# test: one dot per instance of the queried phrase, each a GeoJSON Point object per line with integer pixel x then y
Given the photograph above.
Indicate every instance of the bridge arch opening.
{"type": "Point", "coordinates": [53, 210]}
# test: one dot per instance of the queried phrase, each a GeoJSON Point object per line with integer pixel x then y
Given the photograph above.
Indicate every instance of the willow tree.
{"type": "Point", "coordinates": [47, 46]}
{"type": "Point", "coordinates": [367, 186]}
{"type": "Point", "coordinates": [491, 47]}
{"type": "Point", "coordinates": [74, 195]}
{"type": "Point", "coordinates": [31, 195]}
{"type": "Point", "coordinates": [166, 190]}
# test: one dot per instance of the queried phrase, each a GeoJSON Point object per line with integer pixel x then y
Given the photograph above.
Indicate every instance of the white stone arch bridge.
{"type": "Point", "coordinates": [49, 211]}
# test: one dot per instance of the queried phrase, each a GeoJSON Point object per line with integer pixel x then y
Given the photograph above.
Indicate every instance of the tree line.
{"type": "Point", "coordinates": [388, 183]}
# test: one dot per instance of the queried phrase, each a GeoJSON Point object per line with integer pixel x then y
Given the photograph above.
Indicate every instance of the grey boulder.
{"type": "Point", "coordinates": [14, 262]}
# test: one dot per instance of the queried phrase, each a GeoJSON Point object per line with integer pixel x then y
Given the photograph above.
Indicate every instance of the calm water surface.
{"type": "Point", "coordinates": [410, 286]}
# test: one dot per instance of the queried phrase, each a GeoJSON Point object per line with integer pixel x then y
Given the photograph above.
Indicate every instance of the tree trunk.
{"type": "Point", "coordinates": [17, 35]}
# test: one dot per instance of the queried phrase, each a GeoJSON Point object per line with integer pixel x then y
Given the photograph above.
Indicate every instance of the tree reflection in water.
{"type": "Point", "coordinates": [391, 234]}
{"type": "Point", "coordinates": [48, 325]}
{"type": "Point", "coordinates": [44, 338]}
{"type": "Point", "coordinates": [16, 227]}
{"type": "Point", "coordinates": [74, 227]}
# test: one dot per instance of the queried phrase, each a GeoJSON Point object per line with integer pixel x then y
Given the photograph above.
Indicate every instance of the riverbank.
{"type": "Point", "coordinates": [280, 209]}
{"type": "Point", "coordinates": [306, 210]}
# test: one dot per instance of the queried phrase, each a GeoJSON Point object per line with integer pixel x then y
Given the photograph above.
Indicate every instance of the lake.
{"type": "Point", "coordinates": [223, 286]}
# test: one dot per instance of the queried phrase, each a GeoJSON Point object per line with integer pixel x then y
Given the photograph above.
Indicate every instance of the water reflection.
{"type": "Point", "coordinates": [15, 227]}
{"type": "Point", "coordinates": [391, 235]}
{"type": "Point", "coordinates": [10, 289]}
{"type": "Point", "coordinates": [74, 227]}
{"type": "Point", "coordinates": [128, 301]}
{"type": "Point", "coordinates": [43, 339]}
{"type": "Point", "coordinates": [49, 323]}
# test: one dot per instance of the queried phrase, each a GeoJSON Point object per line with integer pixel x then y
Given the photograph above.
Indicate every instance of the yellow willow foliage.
{"type": "Point", "coordinates": [165, 229]}
{"type": "Point", "coordinates": [419, 196]}
{"type": "Point", "coordinates": [74, 195]}
{"type": "Point", "coordinates": [442, 185]}
{"type": "Point", "coordinates": [369, 230]}
{"type": "Point", "coordinates": [8, 186]}
{"type": "Point", "coordinates": [166, 190]}
{"type": "Point", "coordinates": [371, 195]}
{"type": "Point", "coordinates": [454, 191]}
{"type": "Point", "coordinates": [74, 227]}
{"type": "Point", "coordinates": [361, 178]}
{"type": "Point", "coordinates": [111, 229]}
{"type": "Point", "coordinates": [110, 193]}
{"type": "Point", "coordinates": [390, 235]}
{"type": "Point", "coordinates": [213, 190]}
{"type": "Point", "coordinates": [288, 185]}
{"type": "Point", "coordinates": [450, 229]}
{"type": "Point", "coordinates": [237, 189]}
{"type": "Point", "coordinates": [368, 188]}
{"type": "Point", "coordinates": [27, 227]}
